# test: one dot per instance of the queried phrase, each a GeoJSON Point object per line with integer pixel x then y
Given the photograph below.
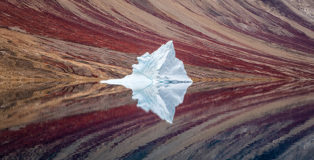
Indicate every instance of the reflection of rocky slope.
{"type": "Point", "coordinates": [26, 103]}
{"type": "Point", "coordinates": [256, 119]}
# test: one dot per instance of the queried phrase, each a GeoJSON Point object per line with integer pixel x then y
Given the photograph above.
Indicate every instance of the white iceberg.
{"type": "Point", "coordinates": [159, 82]}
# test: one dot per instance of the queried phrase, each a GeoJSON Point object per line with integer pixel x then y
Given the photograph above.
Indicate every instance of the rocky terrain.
{"type": "Point", "coordinates": [252, 63]}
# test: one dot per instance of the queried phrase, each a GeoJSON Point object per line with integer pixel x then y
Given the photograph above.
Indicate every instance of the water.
{"type": "Point", "coordinates": [217, 120]}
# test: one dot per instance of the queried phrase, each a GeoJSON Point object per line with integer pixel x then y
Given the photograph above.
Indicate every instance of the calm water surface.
{"type": "Point", "coordinates": [217, 120]}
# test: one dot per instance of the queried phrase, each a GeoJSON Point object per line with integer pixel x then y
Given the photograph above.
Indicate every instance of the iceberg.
{"type": "Point", "coordinates": [159, 82]}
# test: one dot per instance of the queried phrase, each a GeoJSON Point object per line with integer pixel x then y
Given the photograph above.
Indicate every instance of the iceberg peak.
{"type": "Point", "coordinates": [159, 81]}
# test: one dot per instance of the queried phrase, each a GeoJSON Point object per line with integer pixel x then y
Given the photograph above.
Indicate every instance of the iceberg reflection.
{"type": "Point", "coordinates": [159, 82]}
{"type": "Point", "coordinates": [161, 99]}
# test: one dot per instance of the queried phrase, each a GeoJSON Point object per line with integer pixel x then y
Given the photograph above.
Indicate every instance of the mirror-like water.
{"type": "Point", "coordinates": [217, 120]}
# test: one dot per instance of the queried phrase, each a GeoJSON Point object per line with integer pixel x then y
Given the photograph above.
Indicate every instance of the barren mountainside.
{"type": "Point", "coordinates": [252, 63]}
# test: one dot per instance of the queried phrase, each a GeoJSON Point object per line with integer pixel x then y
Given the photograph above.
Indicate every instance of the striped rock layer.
{"type": "Point", "coordinates": [252, 63]}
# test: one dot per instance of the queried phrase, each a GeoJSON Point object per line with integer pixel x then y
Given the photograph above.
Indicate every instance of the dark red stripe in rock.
{"type": "Point", "coordinates": [48, 132]}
